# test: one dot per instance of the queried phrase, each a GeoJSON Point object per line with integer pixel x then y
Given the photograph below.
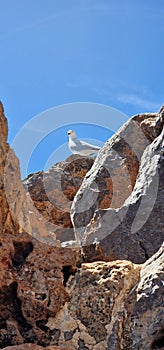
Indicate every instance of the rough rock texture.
{"type": "Point", "coordinates": [32, 288]}
{"type": "Point", "coordinates": [105, 305]}
{"type": "Point", "coordinates": [49, 299]}
{"type": "Point", "coordinates": [114, 305]}
{"type": "Point", "coordinates": [52, 192]}
{"type": "Point", "coordinates": [5, 216]}
{"type": "Point", "coordinates": [128, 231]}
{"type": "Point", "coordinates": [143, 325]}
{"type": "Point", "coordinates": [17, 212]}
{"type": "Point", "coordinates": [43, 210]}
{"type": "Point", "coordinates": [35, 347]}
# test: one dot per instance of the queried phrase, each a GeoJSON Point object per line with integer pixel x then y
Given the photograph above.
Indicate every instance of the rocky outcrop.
{"type": "Point", "coordinates": [113, 306]}
{"type": "Point", "coordinates": [133, 229]}
{"type": "Point", "coordinates": [17, 212]}
{"type": "Point", "coordinates": [32, 288]}
{"type": "Point", "coordinates": [100, 297]}
{"type": "Point", "coordinates": [42, 207]}
{"type": "Point", "coordinates": [102, 305]}
{"type": "Point", "coordinates": [6, 220]}
{"type": "Point", "coordinates": [143, 326]}
{"type": "Point", "coordinates": [52, 193]}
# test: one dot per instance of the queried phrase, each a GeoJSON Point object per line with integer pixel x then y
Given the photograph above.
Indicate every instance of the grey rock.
{"type": "Point", "coordinates": [145, 317]}
{"type": "Point", "coordinates": [133, 228]}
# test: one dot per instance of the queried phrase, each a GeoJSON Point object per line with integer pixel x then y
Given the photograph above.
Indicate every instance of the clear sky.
{"type": "Point", "coordinates": [55, 52]}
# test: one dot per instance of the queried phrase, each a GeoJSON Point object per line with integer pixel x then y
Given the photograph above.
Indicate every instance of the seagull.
{"type": "Point", "coordinates": [80, 147]}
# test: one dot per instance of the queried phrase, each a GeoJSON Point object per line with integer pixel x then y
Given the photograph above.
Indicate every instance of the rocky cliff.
{"type": "Point", "coordinates": [133, 161]}
{"type": "Point", "coordinates": [81, 254]}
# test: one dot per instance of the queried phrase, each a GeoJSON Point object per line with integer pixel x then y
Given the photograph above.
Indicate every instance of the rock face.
{"type": "Point", "coordinates": [113, 306]}
{"type": "Point", "coordinates": [32, 288]}
{"type": "Point", "coordinates": [58, 298]}
{"type": "Point", "coordinates": [105, 305]}
{"type": "Point", "coordinates": [5, 216]}
{"type": "Point", "coordinates": [133, 229]}
{"type": "Point", "coordinates": [17, 212]}
{"type": "Point", "coordinates": [52, 193]}
{"type": "Point", "coordinates": [143, 326]}
{"type": "Point", "coordinates": [42, 206]}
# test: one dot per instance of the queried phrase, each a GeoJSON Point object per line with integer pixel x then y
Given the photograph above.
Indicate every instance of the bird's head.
{"type": "Point", "coordinates": [71, 134]}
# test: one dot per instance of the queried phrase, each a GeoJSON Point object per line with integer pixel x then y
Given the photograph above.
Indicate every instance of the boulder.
{"type": "Point", "coordinates": [52, 193]}
{"type": "Point", "coordinates": [132, 225]}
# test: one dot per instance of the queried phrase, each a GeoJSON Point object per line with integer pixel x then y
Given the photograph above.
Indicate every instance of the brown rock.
{"type": "Point", "coordinates": [101, 289]}
{"type": "Point", "coordinates": [32, 288]}
{"type": "Point", "coordinates": [97, 294]}
{"type": "Point", "coordinates": [52, 192]}
{"type": "Point", "coordinates": [3, 124]}
{"type": "Point", "coordinates": [21, 212]}
{"type": "Point", "coordinates": [46, 302]}
{"type": "Point", "coordinates": [114, 305]}
{"type": "Point", "coordinates": [45, 212]}
{"type": "Point", "coordinates": [4, 211]}
{"type": "Point", "coordinates": [28, 346]}
{"type": "Point", "coordinates": [17, 212]}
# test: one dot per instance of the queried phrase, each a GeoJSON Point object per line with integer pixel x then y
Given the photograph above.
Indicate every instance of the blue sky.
{"type": "Point", "coordinates": [55, 52]}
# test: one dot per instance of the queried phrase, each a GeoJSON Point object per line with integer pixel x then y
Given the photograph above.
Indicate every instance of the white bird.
{"type": "Point", "coordinates": [80, 147]}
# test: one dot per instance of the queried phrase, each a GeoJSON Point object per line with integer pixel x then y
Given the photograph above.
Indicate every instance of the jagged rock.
{"type": "Point", "coordinates": [32, 288]}
{"type": "Point", "coordinates": [48, 300]}
{"type": "Point", "coordinates": [143, 326]}
{"type": "Point", "coordinates": [5, 216]}
{"type": "Point", "coordinates": [98, 298]}
{"type": "Point", "coordinates": [17, 212]}
{"type": "Point", "coordinates": [114, 305]}
{"type": "Point", "coordinates": [43, 210]}
{"type": "Point", "coordinates": [133, 229]}
{"type": "Point", "coordinates": [52, 192]}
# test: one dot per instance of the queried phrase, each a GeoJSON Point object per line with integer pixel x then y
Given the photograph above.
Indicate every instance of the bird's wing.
{"type": "Point", "coordinates": [88, 146]}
